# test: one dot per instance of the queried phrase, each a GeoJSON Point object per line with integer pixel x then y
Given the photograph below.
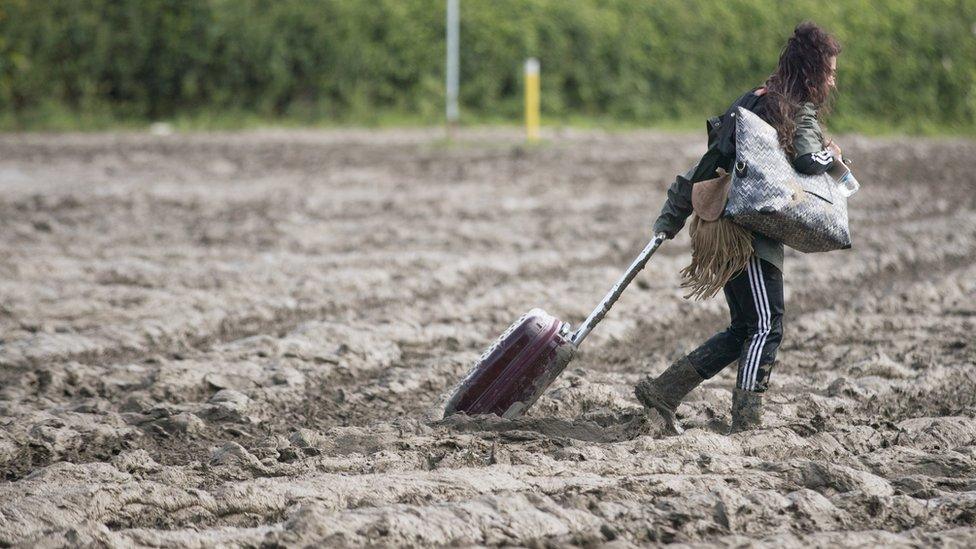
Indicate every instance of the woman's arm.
{"type": "Point", "coordinates": [811, 157]}
{"type": "Point", "coordinates": [678, 207]}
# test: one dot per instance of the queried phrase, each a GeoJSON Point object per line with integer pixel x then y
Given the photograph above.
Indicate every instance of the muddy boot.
{"type": "Point", "coordinates": [664, 392]}
{"type": "Point", "coordinates": [746, 410]}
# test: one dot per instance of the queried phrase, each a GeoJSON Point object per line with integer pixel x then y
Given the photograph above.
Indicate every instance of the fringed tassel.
{"type": "Point", "coordinates": [719, 250]}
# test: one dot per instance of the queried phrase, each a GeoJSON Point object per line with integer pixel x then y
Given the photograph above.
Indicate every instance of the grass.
{"type": "Point", "coordinates": [57, 118]}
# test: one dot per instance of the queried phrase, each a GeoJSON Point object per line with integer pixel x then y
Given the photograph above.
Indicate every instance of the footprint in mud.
{"type": "Point", "coordinates": [598, 426]}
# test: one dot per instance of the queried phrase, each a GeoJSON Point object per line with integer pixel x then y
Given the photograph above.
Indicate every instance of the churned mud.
{"type": "Point", "coordinates": [243, 339]}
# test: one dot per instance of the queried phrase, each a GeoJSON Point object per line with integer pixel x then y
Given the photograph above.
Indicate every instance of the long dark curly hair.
{"type": "Point", "coordinates": [802, 75]}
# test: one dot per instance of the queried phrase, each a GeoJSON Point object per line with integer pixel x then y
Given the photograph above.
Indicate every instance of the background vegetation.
{"type": "Point", "coordinates": [908, 65]}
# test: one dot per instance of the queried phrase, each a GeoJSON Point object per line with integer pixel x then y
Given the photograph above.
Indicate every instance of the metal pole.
{"type": "Point", "coordinates": [532, 99]}
{"type": "Point", "coordinates": [601, 310]}
{"type": "Point", "coordinates": [453, 62]}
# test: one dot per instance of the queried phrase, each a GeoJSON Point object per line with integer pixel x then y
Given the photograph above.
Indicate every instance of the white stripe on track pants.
{"type": "Point", "coordinates": [755, 298]}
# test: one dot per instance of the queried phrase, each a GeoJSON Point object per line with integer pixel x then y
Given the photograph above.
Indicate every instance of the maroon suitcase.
{"type": "Point", "coordinates": [514, 372]}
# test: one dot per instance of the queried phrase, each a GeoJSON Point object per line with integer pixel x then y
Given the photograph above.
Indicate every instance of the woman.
{"type": "Point", "coordinates": [792, 100]}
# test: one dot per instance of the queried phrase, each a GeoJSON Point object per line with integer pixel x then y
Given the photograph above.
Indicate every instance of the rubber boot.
{"type": "Point", "coordinates": [746, 410]}
{"type": "Point", "coordinates": [664, 392]}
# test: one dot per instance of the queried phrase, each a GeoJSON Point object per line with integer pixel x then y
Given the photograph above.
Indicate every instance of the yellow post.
{"type": "Point", "coordinates": [532, 99]}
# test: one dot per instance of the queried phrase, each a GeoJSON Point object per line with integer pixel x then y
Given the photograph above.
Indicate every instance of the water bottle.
{"type": "Point", "coordinates": [847, 184]}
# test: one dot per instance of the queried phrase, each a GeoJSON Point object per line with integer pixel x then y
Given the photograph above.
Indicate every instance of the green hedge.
{"type": "Point", "coordinates": [907, 64]}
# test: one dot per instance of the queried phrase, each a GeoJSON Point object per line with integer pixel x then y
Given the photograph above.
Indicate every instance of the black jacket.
{"type": "Point", "coordinates": [811, 157]}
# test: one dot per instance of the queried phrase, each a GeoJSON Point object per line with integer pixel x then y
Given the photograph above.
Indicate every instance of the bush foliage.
{"type": "Point", "coordinates": [907, 64]}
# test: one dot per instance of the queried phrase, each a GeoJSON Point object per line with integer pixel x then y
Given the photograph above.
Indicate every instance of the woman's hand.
{"type": "Point", "coordinates": [839, 167]}
{"type": "Point", "coordinates": [834, 149]}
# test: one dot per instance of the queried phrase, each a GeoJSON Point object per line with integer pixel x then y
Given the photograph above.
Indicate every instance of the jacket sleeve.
{"type": "Point", "coordinates": [678, 207]}
{"type": "Point", "coordinates": [810, 157]}
{"type": "Point", "coordinates": [814, 163]}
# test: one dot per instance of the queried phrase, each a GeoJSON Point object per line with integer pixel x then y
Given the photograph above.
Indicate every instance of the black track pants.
{"type": "Point", "coordinates": [755, 298]}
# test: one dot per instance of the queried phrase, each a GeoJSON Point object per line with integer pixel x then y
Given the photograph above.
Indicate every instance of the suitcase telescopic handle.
{"type": "Point", "coordinates": [601, 310]}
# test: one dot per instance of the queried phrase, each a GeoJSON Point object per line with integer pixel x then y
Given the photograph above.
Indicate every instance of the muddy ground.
{"type": "Point", "coordinates": [242, 339]}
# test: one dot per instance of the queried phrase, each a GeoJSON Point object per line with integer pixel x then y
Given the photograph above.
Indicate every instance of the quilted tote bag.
{"type": "Point", "coordinates": [805, 212]}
